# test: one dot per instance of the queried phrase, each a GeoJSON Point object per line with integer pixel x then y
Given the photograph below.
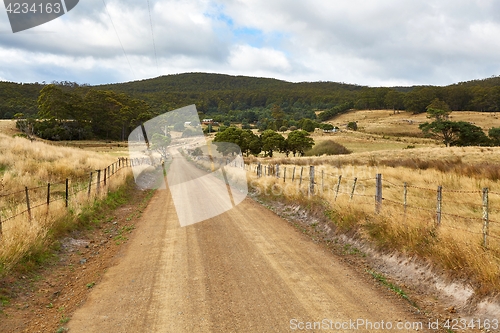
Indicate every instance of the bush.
{"type": "Point", "coordinates": [352, 126]}
{"type": "Point", "coordinates": [328, 147]}
{"type": "Point", "coordinates": [188, 132]}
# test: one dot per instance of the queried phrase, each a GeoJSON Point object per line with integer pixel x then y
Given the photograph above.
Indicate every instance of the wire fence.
{"type": "Point", "coordinates": [24, 202]}
{"type": "Point", "coordinates": [474, 211]}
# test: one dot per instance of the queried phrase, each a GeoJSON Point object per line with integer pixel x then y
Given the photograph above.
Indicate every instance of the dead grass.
{"type": "Point", "coordinates": [8, 127]}
{"type": "Point", "coordinates": [34, 164]}
{"type": "Point", "coordinates": [406, 123]}
{"type": "Point", "coordinates": [455, 245]}
{"type": "Point", "coordinates": [384, 130]}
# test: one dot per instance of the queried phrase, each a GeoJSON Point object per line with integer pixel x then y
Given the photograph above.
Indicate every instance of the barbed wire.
{"type": "Point", "coordinates": [465, 230]}
{"type": "Point", "coordinates": [462, 191]}
{"type": "Point", "coordinates": [386, 181]}
{"type": "Point", "coordinates": [72, 190]}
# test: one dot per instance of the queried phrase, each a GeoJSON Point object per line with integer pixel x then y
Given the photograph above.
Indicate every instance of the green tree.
{"type": "Point", "coordinates": [278, 115]}
{"type": "Point", "coordinates": [327, 127]}
{"type": "Point", "coordinates": [160, 143]}
{"type": "Point", "coordinates": [394, 100]}
{"type": "Point", "coordinates": [250, 143]}
{"type": "Point", "coordinates": [352, 125]}
{"type": "Point", "coordinates": [307, 125]}
{"type": "Point", "coordinates": [179, 127]}
{"type": "Point", "coordinates": [228, 135]}
{"type": "Point", "coordinates": [245, 124]}
{"type": "Point", "coordinates": [417, 100]}
{"type": "Point", "coordinates": [494, 134]}
{"type": "Point", "coordinates": [455, 133]}
{"type": "Point", "coordinates": [189, 132]}
{"type": "Point", "coordinates": [470, 135]}
{"type": "Point", "coordinates": [56, 103]}
{"type": "Point", "coordinates": [298, 142]}
{"type": "Point", "coordinates": [444, 131]}
{"type": "Point", "coordinates": [438, 110]}
{"type": "Point", "coordinates": [272, 141]}
{"type": "Point", "coordinates": [197, 152]}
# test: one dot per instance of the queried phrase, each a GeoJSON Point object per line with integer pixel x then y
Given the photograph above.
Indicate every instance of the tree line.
{"type": "Point", "coordinates": [81, 113]}
{"type": "Point", "coordinates": [269, 142]}
{"type": "Point", "coordinates": [109, 111]}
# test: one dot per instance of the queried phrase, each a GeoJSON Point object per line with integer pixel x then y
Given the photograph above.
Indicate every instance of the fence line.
{"type": "Point", "coordinates": [333, 183]}
{"type": "Point", "coordinates": [71, 189]}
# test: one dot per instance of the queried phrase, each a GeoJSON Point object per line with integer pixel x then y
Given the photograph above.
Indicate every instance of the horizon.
{"type": "Point", "coordinates": [249, 76]}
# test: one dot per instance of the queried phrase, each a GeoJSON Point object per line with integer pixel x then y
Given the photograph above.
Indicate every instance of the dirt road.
{"type": "Point", "coordinates": [246, 270]}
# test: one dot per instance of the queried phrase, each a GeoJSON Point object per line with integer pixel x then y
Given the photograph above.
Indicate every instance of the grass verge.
{"type": "Point", "coordinates": [396, 289]}
{"type": "Point", "coordinates": [45, 248]}
{"type": "Point", "coordinates": [454, 247]}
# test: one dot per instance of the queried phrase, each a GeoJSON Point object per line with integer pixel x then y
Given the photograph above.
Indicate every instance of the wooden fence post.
{"type": "Point", "coordinates": [98, 181]}
{"type": "Point", "coordinates": [48, 194]}
{"type": "Point", "coordinates": [353, 187]}
{"type": "Point", "coordinates": [1, 231]}
{"type": "Point", "coordinates": [28, 202]}
{"type": "Point", "coordinates": [277, 171]}
{"type": "Point", "coordinates": [378, 193]}
{"type": "Point", "coordinates": [104, 177]}
{"type": "Point", "coordinates": [293, 174]}
{"type": "Point", "coordinates": [259, 170]}
{"type": "Point", "coordinates": [485, 217]}
{"type": "Point", "coordinates": [90, 184]}
{"type": "Point", "coordinates": [301, 171]}
{"type": "Point", "coordinates": [338, 188]}
{"type": "Point", "coordinates": [284, 175]}
{"type": "Point", "coordinates": [439, 204]}
{"type": "Point", "coordinates": [311, 180]}
{"type": "Point", "coordinates": [67, 191]}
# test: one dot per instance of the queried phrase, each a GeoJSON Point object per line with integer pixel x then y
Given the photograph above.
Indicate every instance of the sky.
{"type": "Point", "coordinates": [373, 43]}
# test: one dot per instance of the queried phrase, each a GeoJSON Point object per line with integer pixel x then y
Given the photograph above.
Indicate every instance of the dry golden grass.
{"type": "Point", "coordinates": [406, 123]}
{"type": "Point", "coordinates": [384, 130]}
{"type": "Point", "coordinates": [455, 245]}
{"type": "Point", "coordinates": [34, 164]}
{"type": "Point", "coordinates": [8, 127]}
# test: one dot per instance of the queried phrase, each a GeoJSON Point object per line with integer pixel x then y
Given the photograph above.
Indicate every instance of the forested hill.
{"type": "Point", "coordinates": [219, 93]}
{"type": "Point", "coordinates": [205, 82]}
{"type": "Point", "coordinates": [18, 98]}
{"type": "Point", "coordinates": [229, 95]}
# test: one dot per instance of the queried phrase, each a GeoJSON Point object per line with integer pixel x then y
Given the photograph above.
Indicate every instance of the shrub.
{"type": "Point", "coordinates": [352, 125]}
{"type": "Point", "coordinates": [328, 147]}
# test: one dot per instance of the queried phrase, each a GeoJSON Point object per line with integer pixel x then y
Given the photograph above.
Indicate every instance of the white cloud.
{"type": "Point", "coordinates": [245, 58]}
{"type": "Point", "coordinates": [379, 42]}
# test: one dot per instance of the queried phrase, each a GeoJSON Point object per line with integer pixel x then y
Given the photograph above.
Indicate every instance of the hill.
{"type": "Point", "coordinates": [18, 98]}
{"type": "Point", "coordinates": [220, 93]}
{"type": "Point", "coordinates": [228, 96]}
{"type": "Point", "coordinates": [206, 82]}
